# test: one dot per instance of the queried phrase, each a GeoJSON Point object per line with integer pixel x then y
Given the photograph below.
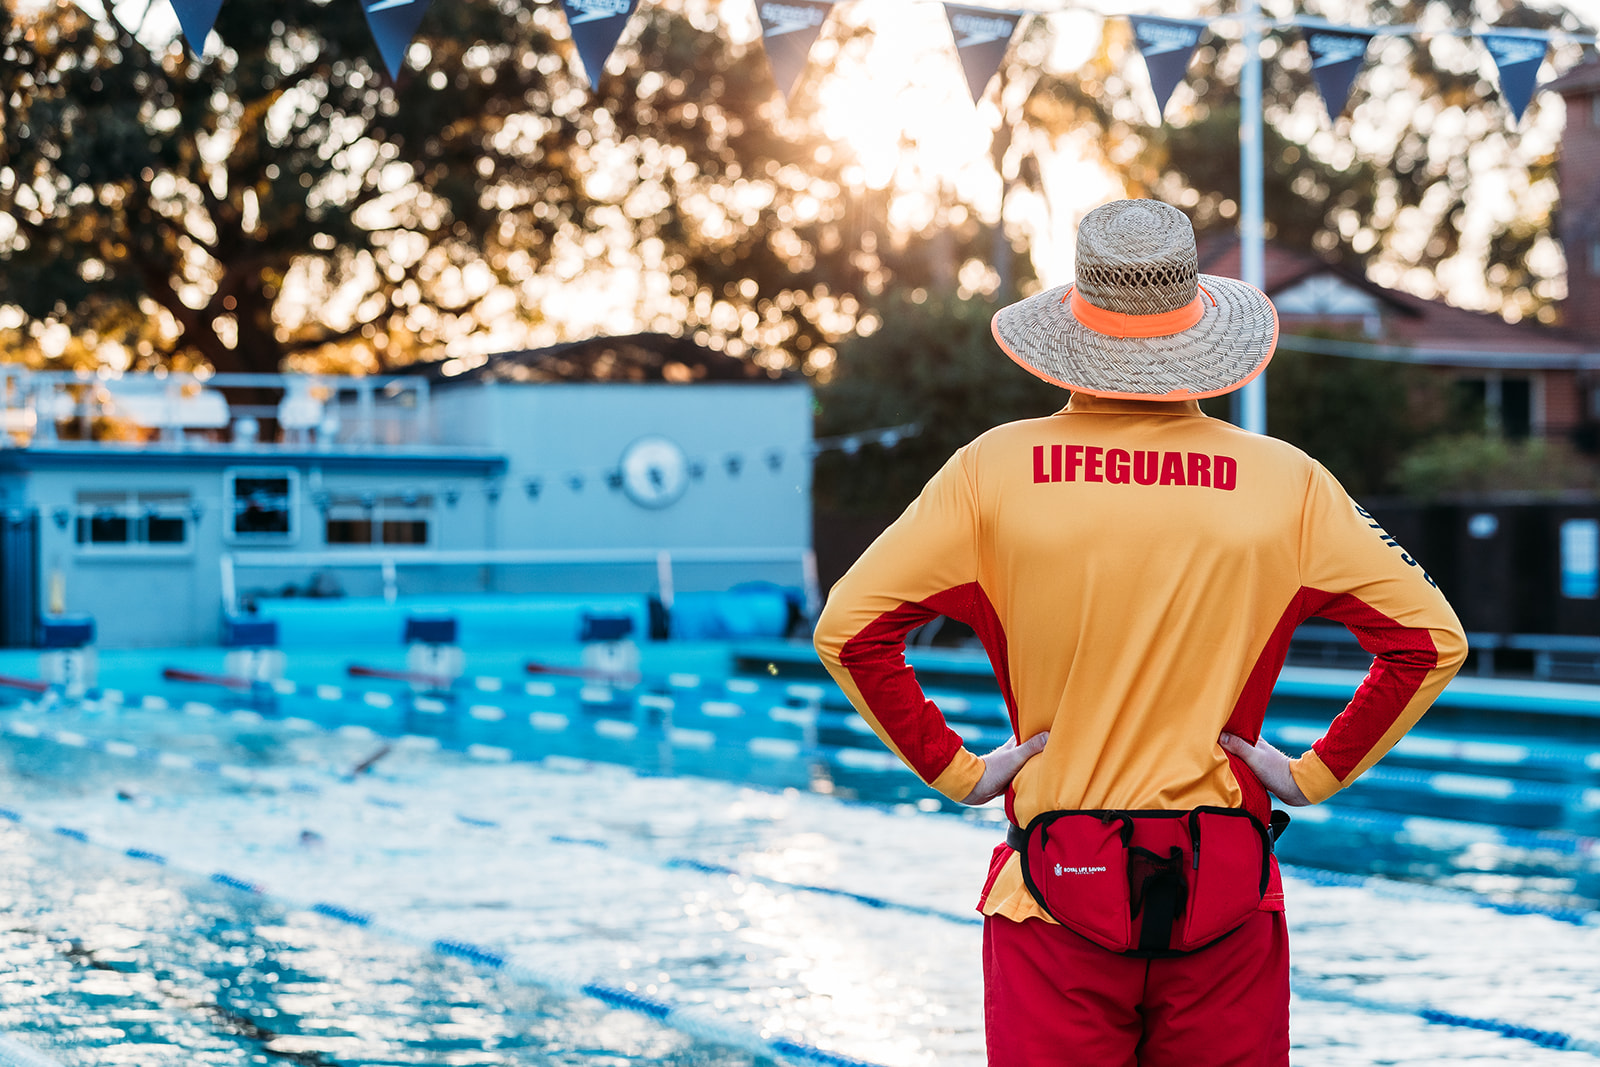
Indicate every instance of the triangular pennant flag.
{"type": "Point", "coordinates": [393, 23]}
{"type": "Point", "coordinates": [196, 18]}
{"type": "Point", "coordinates": [1166, 45]}
{"type": "Point", "coordinates": [1518, 59]}
{"type": "Point", "coordinates": [596, 25]}
{"type": "Point", "coordinates": [1336, 59]}
{"type": "Point", "coordinates": [982, 36]}
{"type": "Point", "coordinates": [788, 30]}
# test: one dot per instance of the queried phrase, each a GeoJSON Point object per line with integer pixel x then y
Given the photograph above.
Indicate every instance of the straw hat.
{"type": "Point", "coordinates": [1141, 322]}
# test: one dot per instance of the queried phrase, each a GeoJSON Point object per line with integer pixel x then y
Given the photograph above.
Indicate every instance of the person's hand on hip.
{"type": "Point", "coordinates": [1269, 764]}
{"type": "Point", "coordinates": [1002, 765]}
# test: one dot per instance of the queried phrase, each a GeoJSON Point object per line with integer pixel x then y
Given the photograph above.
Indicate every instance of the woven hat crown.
{"type": "Point", "coordinates": [1137, 257]}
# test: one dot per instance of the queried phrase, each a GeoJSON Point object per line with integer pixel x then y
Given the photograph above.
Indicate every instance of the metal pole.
{"type": "Point", "coordinates": [1252, 267]}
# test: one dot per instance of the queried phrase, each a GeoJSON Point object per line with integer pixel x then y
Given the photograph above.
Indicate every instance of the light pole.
{"type": "Point", "coordinates": [1252, 408]}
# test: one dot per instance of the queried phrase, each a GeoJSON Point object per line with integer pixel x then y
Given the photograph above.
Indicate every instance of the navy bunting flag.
{"type": "Point", "coordinates": [393, 24]}
{"type": "Point", "coordinates": [982, 36]}
{"type": "Point", "coordinates": [196, 17]}
{"type": "Point", "coordinates": [788, 30]}
{"type": "Point", "coordinates": [1336, 59]}
{"type": "Point", "coordinates": [1166, 45]}
{"type": "Point", "coordinates": [596, 26]}
{"type": "Point", "coordinates": [1518, 59]}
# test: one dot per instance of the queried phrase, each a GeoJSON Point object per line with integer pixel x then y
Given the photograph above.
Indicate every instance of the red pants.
{"type": "Point", "coordinates": [1054, 999]}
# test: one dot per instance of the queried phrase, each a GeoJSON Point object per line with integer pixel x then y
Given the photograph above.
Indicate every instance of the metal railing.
{"type": "Point", "coordinates": [389, 563]}
{"type": "Point", "coordinates": [199, 410]}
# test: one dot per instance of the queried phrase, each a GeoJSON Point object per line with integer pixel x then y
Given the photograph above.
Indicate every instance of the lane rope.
{"type": "Point", "coordinates": [1391, 887]}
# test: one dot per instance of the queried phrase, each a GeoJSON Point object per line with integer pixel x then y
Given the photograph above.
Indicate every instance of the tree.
{"type": "Point", "coordinates": [934, 364]}
{"type": "Point", "coordinates": [170, 202]}
{"type": "Point", "coordinates": [281, 199]}
{"type": "Point", "coordinates": [1437, 175]}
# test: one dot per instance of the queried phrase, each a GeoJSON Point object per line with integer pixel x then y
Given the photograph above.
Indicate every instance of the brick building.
{"type": "Point", "coordinates": [1579, 175]}
{"type": "Point", "coordinates": [1532, 380]}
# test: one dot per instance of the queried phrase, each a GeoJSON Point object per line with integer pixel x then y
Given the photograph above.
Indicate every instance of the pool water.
{"type": "Point", "coordinates": [741, 864]}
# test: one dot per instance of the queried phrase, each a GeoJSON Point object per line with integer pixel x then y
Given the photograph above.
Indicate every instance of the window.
{"type": "Point", "coordinates": [118, 519]}
{"type": "Point", "coordinates": [368, 519]}
{"type": "Point", "coordinates": [262, 505]}
{"type": "Point", "coordinates": [1495, 403]}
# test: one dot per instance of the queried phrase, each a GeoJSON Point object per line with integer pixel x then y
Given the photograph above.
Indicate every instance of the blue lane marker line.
{"type": "Point", "coordinates": [1393, 887]}
{"type": "Point", "coordinates": [694, 1021]}
{"type": "Point", "coordinates": [1485, 787]}
{"type": "Point", "coordinates": [1559, 841]}
{"type": "Point", "coordinates": [1315, 989]}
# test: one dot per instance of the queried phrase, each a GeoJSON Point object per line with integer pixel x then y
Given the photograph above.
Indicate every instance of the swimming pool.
{"type": "Point", "coordinates": [536, 850]}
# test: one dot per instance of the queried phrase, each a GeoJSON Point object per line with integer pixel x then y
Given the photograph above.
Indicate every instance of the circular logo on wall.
{"type": "Point", "coordinates": [655, 472]}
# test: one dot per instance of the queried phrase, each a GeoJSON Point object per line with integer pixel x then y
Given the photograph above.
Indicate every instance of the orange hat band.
{"type": "Point", "coordinates": [1117, 324]}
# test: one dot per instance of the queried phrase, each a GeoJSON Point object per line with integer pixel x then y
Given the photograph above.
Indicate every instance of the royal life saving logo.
{"type": "Point", "coordinates": [1062, 869]}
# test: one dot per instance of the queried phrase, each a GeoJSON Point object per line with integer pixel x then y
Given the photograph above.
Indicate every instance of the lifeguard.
{"type": "Point", "coordinates": [1135, 570]}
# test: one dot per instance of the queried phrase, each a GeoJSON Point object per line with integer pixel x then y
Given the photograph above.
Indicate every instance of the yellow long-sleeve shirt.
{"type": "Point", "coordinates": [1135, 570]}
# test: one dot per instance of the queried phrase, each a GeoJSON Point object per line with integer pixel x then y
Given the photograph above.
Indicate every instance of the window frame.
{"type": "Point", "coordinates": [135, 512]}
{"type": "Point", "coordinates": [230, 505]}
{"type": "Point", "coordinates": [383, 510]}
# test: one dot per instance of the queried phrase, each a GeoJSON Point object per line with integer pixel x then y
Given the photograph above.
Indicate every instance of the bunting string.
{"type": "Point", "coordinates": [981, 37]}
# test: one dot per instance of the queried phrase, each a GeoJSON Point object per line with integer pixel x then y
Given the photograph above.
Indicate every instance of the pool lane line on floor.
{"type": "Point", "coordinates": [237, 775]}
{"type": "Point", "coordinates": [1313, 988]}
{"type": "Point", "coordinates": [691, 1020]}
{"type": "Point", "coordinates": [699, 1024]}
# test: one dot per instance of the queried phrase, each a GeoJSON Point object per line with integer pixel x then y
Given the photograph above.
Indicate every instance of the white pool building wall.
{"type": "Point", "coordinates": [738, 510]}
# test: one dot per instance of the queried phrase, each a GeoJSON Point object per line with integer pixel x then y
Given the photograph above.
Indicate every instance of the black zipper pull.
{"type": "Point", "coordinates": [1194, 837]}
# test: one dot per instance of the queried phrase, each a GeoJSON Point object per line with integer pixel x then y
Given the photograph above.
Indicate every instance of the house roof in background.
{"type": "Point", "coordinates": [1580, 78]}
{"type": "Point", "coordinates": [1407, 320]}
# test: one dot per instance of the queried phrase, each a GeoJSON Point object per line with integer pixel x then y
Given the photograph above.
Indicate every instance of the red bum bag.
{"type": "Point", "coordinates": [1148, 883]}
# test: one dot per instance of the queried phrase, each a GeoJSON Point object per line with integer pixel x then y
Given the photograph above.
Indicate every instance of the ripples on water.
{"type": "Point", "coordinates": [104, 961]}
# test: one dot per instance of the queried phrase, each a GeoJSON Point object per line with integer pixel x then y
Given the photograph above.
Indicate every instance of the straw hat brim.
{"type": "Point", "coordinates": [1230, 345]}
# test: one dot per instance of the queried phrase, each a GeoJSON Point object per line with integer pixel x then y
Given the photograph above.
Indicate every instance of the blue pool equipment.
{"type": "Point", "coordinates": [68, 658]}
{"type": "Point", "coordinates": [433, 655]}
{"type": "Point", "coordinates": [483, 620]}
{"type": "Point", "coordinates": [253, 654]}
{"type": "Point", "coordinates": [750, 611]}
{"type": "Point", "coordinates": [608, 647]}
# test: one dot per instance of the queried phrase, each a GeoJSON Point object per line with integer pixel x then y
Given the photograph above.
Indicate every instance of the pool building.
{"type": "Point", "coordinates": [169, 508]}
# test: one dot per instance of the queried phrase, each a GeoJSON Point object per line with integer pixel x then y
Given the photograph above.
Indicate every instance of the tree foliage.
{"type": "Point", "coordinates": [1423, 167]}
{"type": "Point", "coordinates": [170, 201]}
{"type": "Point", "coordinates": [935, 364]}
{"type": "Point", "coordinates": [281, 199]}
